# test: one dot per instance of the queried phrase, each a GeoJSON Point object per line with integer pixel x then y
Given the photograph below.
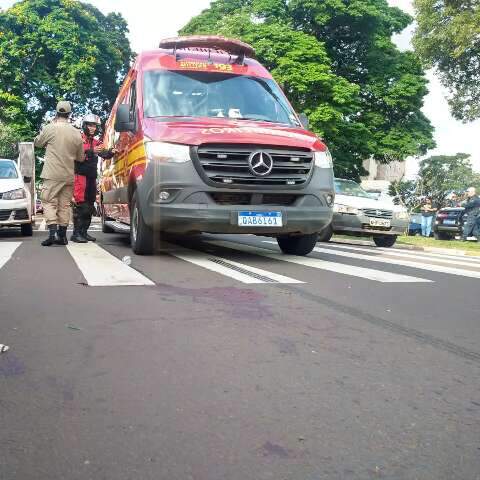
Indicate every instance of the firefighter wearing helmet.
{"type": "Point", "coordinates": [85, 186]}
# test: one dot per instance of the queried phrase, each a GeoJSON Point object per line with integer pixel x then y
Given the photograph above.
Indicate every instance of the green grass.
{"type": "Point", "coordinates": [473, 248]}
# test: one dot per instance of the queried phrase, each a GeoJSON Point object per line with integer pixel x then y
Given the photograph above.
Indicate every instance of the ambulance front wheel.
{"type": "Point", "coordinates": [141, 235]}
{"type": "Point", "coordinates": [297, 244]}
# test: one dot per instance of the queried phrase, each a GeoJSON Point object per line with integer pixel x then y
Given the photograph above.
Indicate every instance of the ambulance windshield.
{"type": "Point", "coordinates": [208, 94]}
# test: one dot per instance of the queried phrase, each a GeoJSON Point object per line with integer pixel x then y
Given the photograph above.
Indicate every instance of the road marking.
{"type": "Point", "coordinates": [443, 255]}
{"type": "Point", "coordinates": [368, 273]}
{"type": "Point", "coordinates": [373, 248]}
{"type": "Point", "coordinates": [238, 271]}
{"type": "Point", "coordinates": [101, 269]}
{"type": "Point", "coordinates": [405, 263]}
{"type": "Point", "coordinates": [7, 249]}
{"type": "Point", "coordinates": [396, 253]}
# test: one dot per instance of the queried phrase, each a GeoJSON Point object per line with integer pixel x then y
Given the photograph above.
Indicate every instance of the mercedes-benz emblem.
{"type": "Point", "coordinates": [379, 213]}
{"type": "Point", "coordinates": [260, 163]}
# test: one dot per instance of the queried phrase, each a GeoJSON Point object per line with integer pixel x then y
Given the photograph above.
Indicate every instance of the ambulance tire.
{"type": "Point", "coordinates": [142, 237]}
{"type": "Point", "coordinates": [27, 229]}
{"type": "Point", "coordinates": [297, 244]}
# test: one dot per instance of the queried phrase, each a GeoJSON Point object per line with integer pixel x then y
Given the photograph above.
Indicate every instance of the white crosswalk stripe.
{"type": "Point", "coordinates": [397, 253]}
{"type": "Point", "coordinates": [474, 259]}
{"type": "Point", "coordinates": [367, 273]}
{"type": "Point", "coordinates": [405, 263]}
{"type": "Point", "coordinates": [41, 225]}
{"type": "Point", "coordinates": [101, 269]}
{"type": "Point", "coordinates": [238, 271]}
{"type": "Point", "coordinates": [7, 249]}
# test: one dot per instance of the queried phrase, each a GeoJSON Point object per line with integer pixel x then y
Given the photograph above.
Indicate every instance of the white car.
{"type": "Point", "coordinates": [15, 199]}
{"type": "Point", "coordinates": [356, 213]}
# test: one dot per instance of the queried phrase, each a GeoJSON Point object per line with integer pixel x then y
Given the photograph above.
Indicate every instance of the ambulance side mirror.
{"type": "Point", "coordinates": [122, 119]}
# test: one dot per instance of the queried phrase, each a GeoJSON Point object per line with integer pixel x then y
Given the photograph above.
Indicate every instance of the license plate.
{"type": "Point", "coordinates": [449, 222]}
{"type": "Point", "coordinates": [260, 219]}
{"type": "Point", "coordinates": [379, 222]}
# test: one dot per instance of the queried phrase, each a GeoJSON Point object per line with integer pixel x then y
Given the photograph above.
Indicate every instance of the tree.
{"type": "Point", "coordinates": [410, 193]}
{"type": "Point", "coordinates": [441, 175]}
{"type": "Point", "coordinates": [8, 141]}
{"type": "Point", "coordinates": [55, 49]}
{"type": "Point", "coordinates": [339, 65]}
{"type": "Point", "coordinates": [448, 38]}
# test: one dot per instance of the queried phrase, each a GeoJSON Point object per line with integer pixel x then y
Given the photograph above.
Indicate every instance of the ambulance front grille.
{"type": "Point", "coordinates": [229, 165]}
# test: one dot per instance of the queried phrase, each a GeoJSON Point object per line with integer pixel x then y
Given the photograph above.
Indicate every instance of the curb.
{"type": "Point", "coordinates": [443, 251]}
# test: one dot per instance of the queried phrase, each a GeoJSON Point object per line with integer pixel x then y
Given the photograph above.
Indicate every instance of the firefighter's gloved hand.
{"type": "Point", "coordinates": [99, 148]}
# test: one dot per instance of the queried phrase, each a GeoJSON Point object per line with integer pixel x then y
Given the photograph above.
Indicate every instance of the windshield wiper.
{"type": "Point", "coordinates": [257, 119]}
{"type": "Point", "coordinates": [171, 116]}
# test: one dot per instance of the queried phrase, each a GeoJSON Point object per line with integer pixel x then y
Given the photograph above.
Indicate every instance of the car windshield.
{"type": "Point", "coordinates": [349, 187]}
{"type": "Point", "coordinates": [7, 169]}
{"type": "Point", "coordinates": [205, 94]}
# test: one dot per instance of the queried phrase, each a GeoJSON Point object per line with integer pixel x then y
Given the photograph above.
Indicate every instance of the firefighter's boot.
{"type": "Point", "coordinates": [50, 240]}
{"type": "Point", "coordinates": [77, 236]}
{"type": "Point", "coordinates": [86, 226]}
{"type": "Point", "coordinates": [61, 236]}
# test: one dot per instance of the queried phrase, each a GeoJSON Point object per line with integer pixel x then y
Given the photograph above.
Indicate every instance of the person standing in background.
{"type": "Point", "coordinates": [427, 217]}
{"type": "Point", "coordinates": [64, 147]}
{"type": "Point", "coordinates": [472, 212]}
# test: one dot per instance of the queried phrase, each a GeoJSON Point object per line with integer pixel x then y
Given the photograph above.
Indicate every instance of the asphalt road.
{"type": "Point", "coordinates": [218, 359]}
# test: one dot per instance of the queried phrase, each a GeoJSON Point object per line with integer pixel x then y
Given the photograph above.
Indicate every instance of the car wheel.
{"type": "Point", "coordinates": [441, 236]}
{"type": "Point", "coordinates": [385, 240]}
{"type": "Point", "coordinates": [326, 234]}
{"type": "Point", "coordinates": [297, 244]}
{"type": "Point", "coordinates": [105, 227]}
{"type": "Point", "coordinates": [27, 229]}
{"type": "Point", "coordinates": [141, 235]}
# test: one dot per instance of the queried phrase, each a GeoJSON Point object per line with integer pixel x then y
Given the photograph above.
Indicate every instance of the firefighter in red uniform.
{"type": "Point", "coordinates": [85, 186]}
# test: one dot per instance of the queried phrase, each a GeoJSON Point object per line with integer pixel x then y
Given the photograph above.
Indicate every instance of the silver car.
{"type": "Point", "coordinates": [357, 213]}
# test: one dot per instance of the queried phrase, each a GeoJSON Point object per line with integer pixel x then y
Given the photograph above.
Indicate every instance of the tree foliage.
{"type": "Point", "coordinates": [338, 64]}
{"type": "Point", "coordinates": [448, 38]}
{"type": "Point", "coordinates": [438, 177]}
{"type": "Point", "coordinates": [54, 49]}
{"type": "Point", "coordinates": [410, 193]}
{"type": "Point", "coordinates": [444, 174]}
{"type": "Point", "coordinates": [8, 141]}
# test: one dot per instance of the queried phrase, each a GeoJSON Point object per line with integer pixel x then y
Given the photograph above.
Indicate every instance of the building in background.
{"type": "Point", "coordinates": [381, 175]}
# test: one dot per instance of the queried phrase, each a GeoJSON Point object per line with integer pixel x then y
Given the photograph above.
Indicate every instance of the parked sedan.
{"type": "Point", "coordinates": [449, 223]}
{"type": "Point", "coordinates": [15, 199]}
{"type": "Point", "coordinates": [357, 213]}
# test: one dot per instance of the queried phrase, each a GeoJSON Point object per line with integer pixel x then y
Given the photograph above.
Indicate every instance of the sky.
{"type": "Point", "coordinates": [151, 20]}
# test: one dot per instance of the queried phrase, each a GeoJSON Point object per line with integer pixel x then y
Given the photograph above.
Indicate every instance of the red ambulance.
{"type": "Point", "coordinates": [208, 142]}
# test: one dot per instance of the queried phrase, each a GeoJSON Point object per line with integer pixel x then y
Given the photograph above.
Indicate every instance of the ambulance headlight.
{"type": "Point", "coordinates": [323, 159]}
{"type": "Point", "coordinates": [167, 152]}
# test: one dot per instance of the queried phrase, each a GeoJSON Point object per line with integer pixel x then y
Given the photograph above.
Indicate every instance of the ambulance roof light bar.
{"type": "Point", "coordinates": [210, 42]}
